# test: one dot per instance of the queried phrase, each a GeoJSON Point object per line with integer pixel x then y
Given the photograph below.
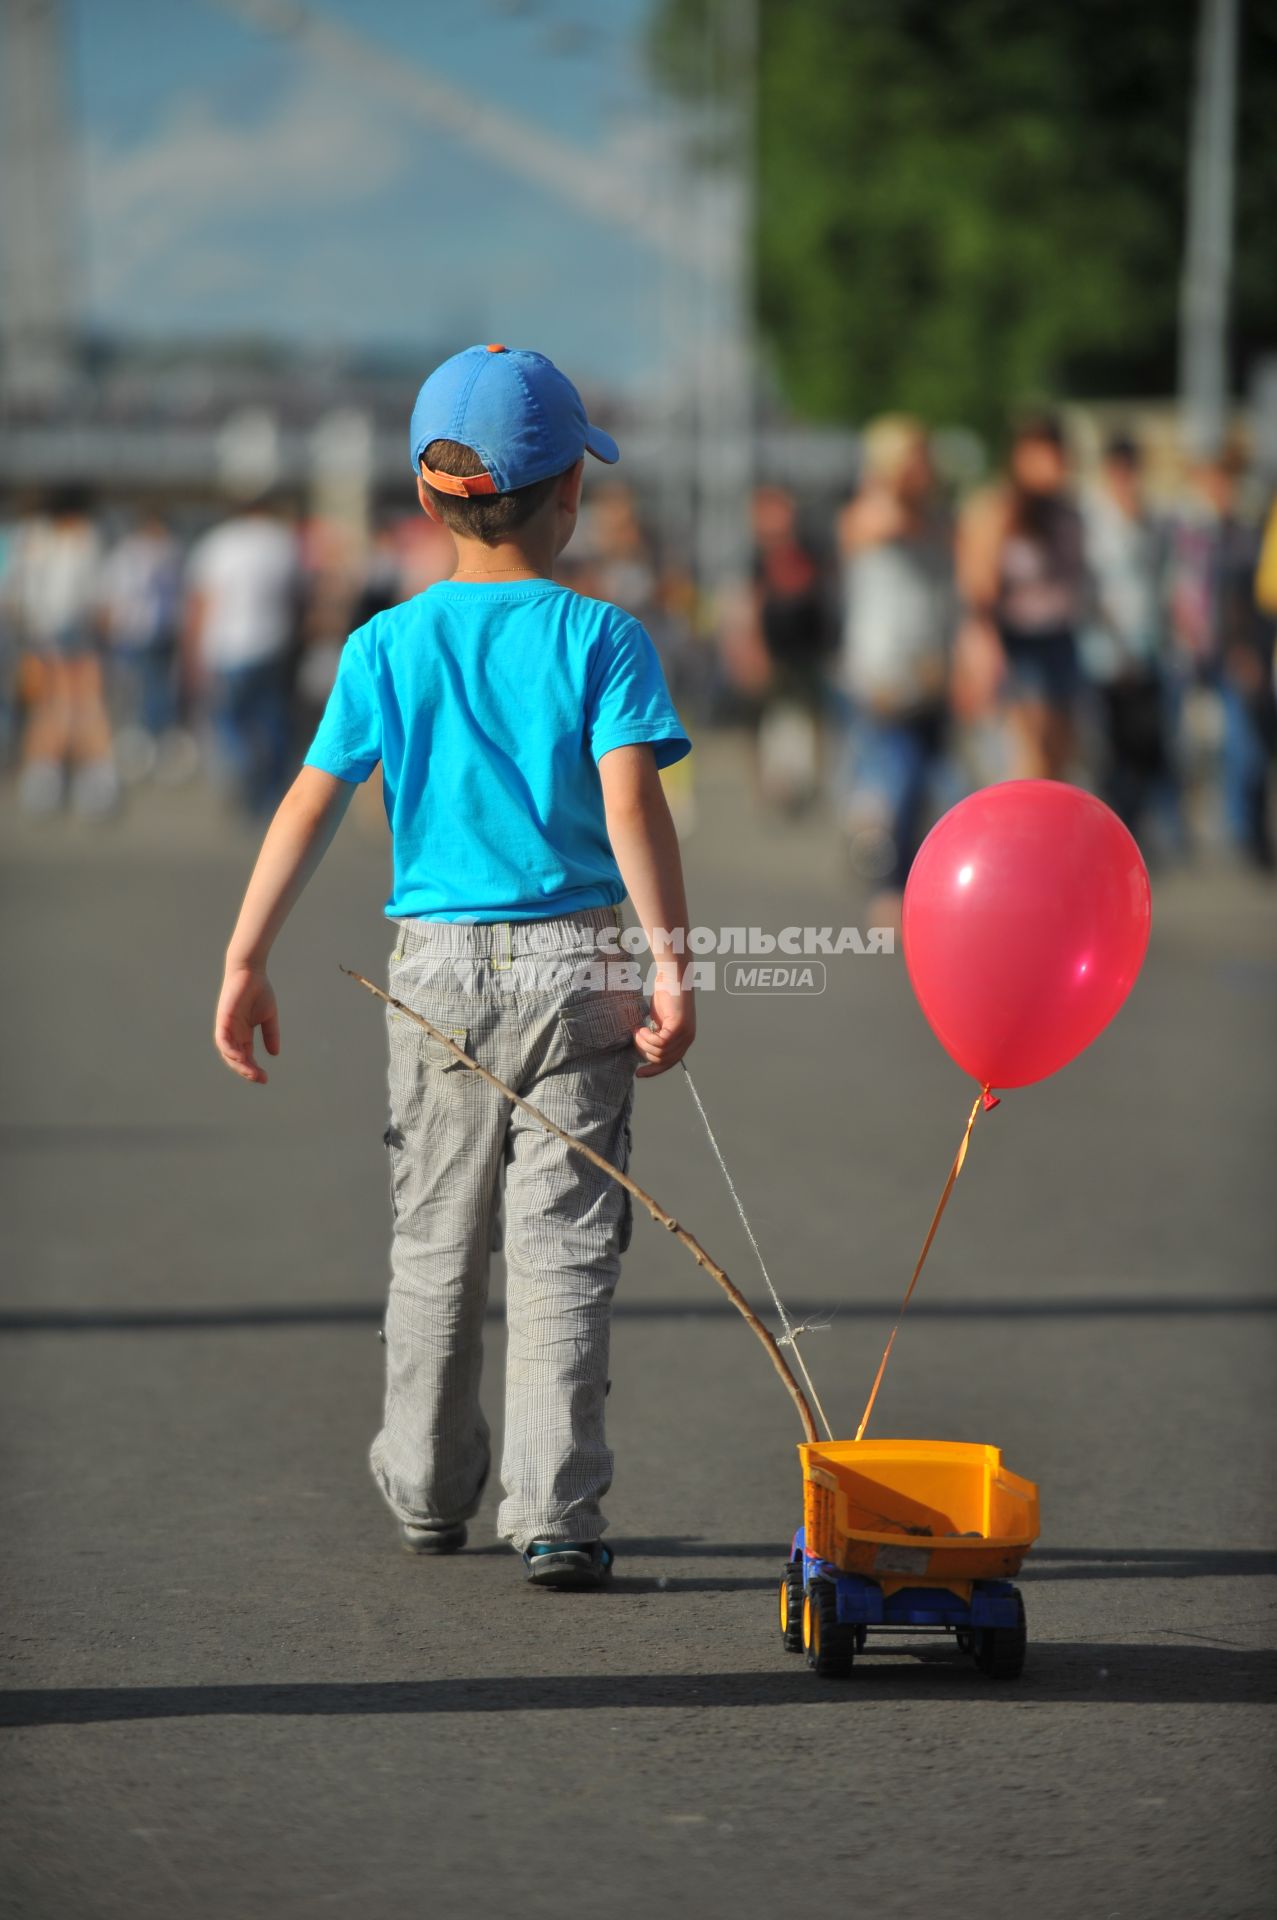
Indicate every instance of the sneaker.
{"type": "Point", "coordinates": [565, 1564]}
{"type": "Point", "coordinates": [415, 1539]}
{"type": "Point", "coordinates": [178, 758]}
{"type": "Point", "coordinates": [136, 754]}
{"type": "Point", "coordinates": [42, 787]}
{"type": "Point", "coordinates": [95, 789]}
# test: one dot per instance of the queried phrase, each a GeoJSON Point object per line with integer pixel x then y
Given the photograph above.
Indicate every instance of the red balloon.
{"type": "Point", "coordinates": [1025, 923]}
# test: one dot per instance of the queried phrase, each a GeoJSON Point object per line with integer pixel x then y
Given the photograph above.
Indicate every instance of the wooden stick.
{"type": "Point", "coordinates": [654, 1207]}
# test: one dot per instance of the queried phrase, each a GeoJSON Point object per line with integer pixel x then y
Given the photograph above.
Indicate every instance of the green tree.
{"type": "Point", "coordinates": [966, 202]}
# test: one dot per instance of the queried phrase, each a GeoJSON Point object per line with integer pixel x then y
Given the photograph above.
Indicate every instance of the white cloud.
{"type": "Point", "coordinates": [332, 212]}
{"type": "Point", "coordinates": [170, 208]}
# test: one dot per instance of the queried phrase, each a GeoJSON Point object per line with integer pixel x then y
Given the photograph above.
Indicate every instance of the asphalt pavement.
{"type": "Point", "coordinates": [228, 1693]}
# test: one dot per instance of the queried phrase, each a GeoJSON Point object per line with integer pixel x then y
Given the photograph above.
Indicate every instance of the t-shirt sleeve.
{"type": "Point", "coordinates": [629, 703]}
{"type": "Point", "coordinates": [347, 743]}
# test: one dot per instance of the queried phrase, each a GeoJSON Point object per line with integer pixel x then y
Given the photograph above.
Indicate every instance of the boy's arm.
{"type": "Point", "coordinates": [646, 848]}
{"type": "Point", "coordinates": [296, 841]}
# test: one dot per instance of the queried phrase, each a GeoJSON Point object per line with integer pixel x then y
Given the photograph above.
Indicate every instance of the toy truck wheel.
{"type": "Point", "coordinates": [1000, 1651]}
{"type": "Point", "coordinates": [831, 1648]}
{"type": "Point", "coordinates": [791, 1608]}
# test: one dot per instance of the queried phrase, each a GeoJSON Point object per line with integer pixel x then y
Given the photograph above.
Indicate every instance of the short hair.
{"type": "Point", "coordinates": [1041, 426]}
{"type": "Point", "coordinates": [483, 516]}
{"type": "Point", "coordinates": [887, 443]}
{"type": "Point", "coordinates": [70, 499]}
{"type": "Point", "coordinates": [1122, 449]}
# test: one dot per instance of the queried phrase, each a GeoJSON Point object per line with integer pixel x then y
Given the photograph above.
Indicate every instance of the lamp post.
{"type": "Point", "coordinates": [1208, 247]}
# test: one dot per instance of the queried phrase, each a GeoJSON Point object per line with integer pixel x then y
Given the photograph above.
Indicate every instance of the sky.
{"type": "Point", "coordinates": [233, 181]}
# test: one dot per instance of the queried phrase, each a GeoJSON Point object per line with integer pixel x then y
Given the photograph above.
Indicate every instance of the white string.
{"type": "Point", "coordinates": [805, 1326]}
{"type": "Point", "coordinates": [791, 1332]}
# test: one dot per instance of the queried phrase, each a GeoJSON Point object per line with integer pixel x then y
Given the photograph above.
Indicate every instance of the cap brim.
{"type": "Point", "coordinates": [601, 445]}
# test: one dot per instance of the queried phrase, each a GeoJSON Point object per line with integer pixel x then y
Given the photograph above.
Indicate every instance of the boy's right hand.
{"type": "Point", "coordinates": [247, 1001]}
{"type": "Point", "coordinates": [664, 1044]}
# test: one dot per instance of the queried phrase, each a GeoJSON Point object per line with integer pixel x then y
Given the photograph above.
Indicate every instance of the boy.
{"type": "Point", "coordinates": [520, 729]}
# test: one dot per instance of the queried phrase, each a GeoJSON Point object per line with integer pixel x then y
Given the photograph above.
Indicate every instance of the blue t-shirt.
{"type": "Point", "coordinates": [488, 707]}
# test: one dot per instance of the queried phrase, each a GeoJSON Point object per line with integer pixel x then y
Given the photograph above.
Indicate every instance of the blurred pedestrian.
{"type": "Point", "coordinates": [1266, 572]}
{"type": "Point", "coordinates": [381, 581]}
{"type": "Point", "coordinates": [140, 597]}
{"type": "Point", "coordinates": [623, 568]}
{"type": "Point", "coordinates": [792, 614]}
{"type": "Point", "coordinates": [244, 584]}
{"type": "Point", "coordinates": [1124, 647]}
{"type": "Point", "coordinates": [619, 565]}
{"type": "Point", "coordinates": [896, 543]}
{"type": "Point", "coordinates": [56, 572]}
{"type": "Point", "coordinates": [1023, 573]}
{"type": "Point", "coordinates": [1223, 641]}
{"type": "Point", "coordinates": [349, 582]}
{"type": "Point", "coordinates": [9, 650]}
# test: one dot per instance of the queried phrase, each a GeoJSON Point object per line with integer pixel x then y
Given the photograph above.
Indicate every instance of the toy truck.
{"type": "Point", "coordinates": [915, 1537]}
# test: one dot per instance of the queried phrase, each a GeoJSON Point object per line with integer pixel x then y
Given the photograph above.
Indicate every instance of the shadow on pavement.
{"type": "Point", "coordinates": [115, 1136]}
{"type": "Point", "coordinates": [1077, 1563]}
{"type": "Point", "coordinates": [1058, 1671]}
{"type": "Point", "coordinates": [343, 1313]}
{"type": "Point", "coordinates": [1148, 1563]}
{"type": "Point", "coordinates": [692, 1583]}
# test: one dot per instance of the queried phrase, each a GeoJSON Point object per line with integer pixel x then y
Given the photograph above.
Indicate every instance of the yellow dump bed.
{"type": "Point", "coordinates": [921, 1512]}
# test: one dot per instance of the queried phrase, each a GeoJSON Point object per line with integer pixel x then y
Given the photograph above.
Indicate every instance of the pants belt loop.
{"type": "Point", "coordinates": [503, 958]}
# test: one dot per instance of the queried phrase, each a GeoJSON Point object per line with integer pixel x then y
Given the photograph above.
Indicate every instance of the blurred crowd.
{"type": "Point", "coordinates": [129, 652]}
{"type": "Point", "coordinates": [891, 651]}
{"type": "Point", "coordinates": [135, 648]}
{"type": "Point", "coordinates": [1040, 629]}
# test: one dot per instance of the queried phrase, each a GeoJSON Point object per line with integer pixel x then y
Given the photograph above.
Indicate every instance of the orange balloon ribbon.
{"type": "Point", "coordinates": [986, 1100]}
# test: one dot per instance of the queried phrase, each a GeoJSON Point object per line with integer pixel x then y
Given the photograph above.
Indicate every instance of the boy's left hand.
{"type": "Point", "coordinates": [247, 1001]}
{"type": "Point", "coordinates": [670, 1032]}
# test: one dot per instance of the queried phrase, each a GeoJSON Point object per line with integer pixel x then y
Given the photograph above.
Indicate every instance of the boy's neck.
{"type": "Point", "coordinates": [519, 558]}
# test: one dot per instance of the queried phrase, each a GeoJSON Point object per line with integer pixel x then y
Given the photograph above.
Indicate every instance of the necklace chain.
{"type": "Point", "coordinates": [492, 573]}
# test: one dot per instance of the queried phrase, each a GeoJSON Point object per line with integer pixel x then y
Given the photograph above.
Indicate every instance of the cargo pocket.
{"type": "Point", "coordinates": [433, 1051]}
{"type": "Point", "coordinates": [601, 1023]}
{"type": "Point", "coordinates": [406, 980]}
{"type": "Point", "coordinates": [441, 1056]}
{"type": "Point", "coordinates": [392, 1140]}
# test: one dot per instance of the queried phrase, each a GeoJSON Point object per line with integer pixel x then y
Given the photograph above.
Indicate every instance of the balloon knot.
{"type": "Point", "coordinates": [989, 1101]}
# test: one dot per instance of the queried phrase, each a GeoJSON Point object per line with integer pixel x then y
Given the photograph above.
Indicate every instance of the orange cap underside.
{"type": "Point", "coordinates": [465, 486]}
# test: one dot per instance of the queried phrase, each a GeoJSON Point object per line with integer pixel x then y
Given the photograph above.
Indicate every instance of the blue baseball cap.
{"type": "Point", "coordinates": [524, 419]}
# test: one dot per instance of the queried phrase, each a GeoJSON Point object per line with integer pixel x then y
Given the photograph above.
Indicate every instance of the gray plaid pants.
{"type": "Point", "coordinates": [514, 996]}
